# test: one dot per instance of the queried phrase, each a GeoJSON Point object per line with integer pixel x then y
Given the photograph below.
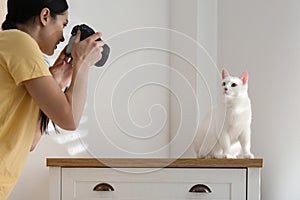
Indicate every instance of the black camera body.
{"type": "Point", "coordinates": [87, 31]}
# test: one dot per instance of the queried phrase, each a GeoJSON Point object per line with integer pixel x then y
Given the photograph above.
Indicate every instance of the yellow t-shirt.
{"type": "Point", "coordinates": [20, 59]}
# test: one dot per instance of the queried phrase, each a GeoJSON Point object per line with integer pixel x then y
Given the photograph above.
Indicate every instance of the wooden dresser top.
{"type": "Point", "coordinates": [154, 163]}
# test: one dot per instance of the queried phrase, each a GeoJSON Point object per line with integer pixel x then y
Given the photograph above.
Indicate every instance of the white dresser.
{"type": "Point", "coordinates": [159, 179]}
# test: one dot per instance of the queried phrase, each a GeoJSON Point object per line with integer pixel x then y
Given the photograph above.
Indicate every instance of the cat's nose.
{"type": "Point", "coordinates": [225, 89]}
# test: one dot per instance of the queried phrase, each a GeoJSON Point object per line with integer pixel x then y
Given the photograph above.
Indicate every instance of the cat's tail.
{"type": "Point", "coordinates": [202, 144]}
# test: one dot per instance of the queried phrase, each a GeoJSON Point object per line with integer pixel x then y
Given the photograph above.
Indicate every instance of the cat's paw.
{"type": "Point", "coordinates": [209, 156]}
{"type": "Point", "coordinates": [201, 155]}
{"type": "Point", "coordinates": [213, 155]}
{"type": "Point", "coordinates": [218, 156]}
{"type": "Point", "coordinates": [224, 156]}
{"type": "Point", "coordinates": [247, 155]}
{"type": "Point", "coordinates": [229, 156]}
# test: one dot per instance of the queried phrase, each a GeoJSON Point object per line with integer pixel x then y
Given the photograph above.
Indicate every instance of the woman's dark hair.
{"type": "Point", "coordinates": [45, 120]}
{"type": "Point", "coordinates": [19, 12]}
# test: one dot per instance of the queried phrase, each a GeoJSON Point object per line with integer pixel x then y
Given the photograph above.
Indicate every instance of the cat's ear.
{"type": "Point", "coordinates": [244, 77]}
{"type": "Point", "coordinates": [224, 73]}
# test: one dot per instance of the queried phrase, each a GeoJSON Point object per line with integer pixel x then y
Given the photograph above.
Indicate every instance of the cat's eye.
{"type": "Point", "coordinates": [233, 85]}
{"type": "Point", "coordinates": [223, 83]}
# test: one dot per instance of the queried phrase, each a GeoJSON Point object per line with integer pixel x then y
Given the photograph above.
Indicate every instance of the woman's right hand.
{"type": "Point", "coordinates": [87, 51]}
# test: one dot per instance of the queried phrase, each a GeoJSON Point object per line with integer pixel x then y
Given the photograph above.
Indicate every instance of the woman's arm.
{"type": "Point", "coordinates": [65, 109]}
{"type": "Point", "coordinates": [62, 73]}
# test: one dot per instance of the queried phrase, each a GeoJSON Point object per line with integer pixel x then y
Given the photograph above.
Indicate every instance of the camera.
{"type": "Point", "coordinates": [87, 31]}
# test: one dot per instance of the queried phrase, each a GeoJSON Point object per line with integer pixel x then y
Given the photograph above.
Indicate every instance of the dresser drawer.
{"type": "Point", "coordinates": [150, 183]}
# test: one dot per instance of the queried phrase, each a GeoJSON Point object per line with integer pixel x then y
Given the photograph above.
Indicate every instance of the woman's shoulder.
{"type": "Point", "coordinates": [19, 34]}
{"type": "Point", "coordinates": [14, 33]}
{"type": "Point", "coordinates": [16, 36]}
{"type": "Point", "coordinates": [18, 42]}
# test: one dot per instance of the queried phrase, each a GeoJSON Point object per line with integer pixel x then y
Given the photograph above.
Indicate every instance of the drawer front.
{"type": "Point", "coordinates": [150, 184]}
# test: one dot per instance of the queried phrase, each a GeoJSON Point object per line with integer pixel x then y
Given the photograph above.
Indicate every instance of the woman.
{"type": "Point", "coordinates": [31, 28]}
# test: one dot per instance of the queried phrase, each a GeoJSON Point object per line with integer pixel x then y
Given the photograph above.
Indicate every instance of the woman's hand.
{"type": "Point", "coordinates": [62, 70]}
{"type": "Point", "coordinates": [87, 51]}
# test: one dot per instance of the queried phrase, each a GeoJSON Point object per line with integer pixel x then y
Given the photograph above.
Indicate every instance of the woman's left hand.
{"type": "Point", "coordinates": [62, 70]}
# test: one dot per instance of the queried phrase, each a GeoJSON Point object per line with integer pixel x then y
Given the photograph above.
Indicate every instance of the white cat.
{"type": "Point", "coordinates": [225, 131]}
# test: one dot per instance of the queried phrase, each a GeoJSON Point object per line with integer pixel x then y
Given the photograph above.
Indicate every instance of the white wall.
{"type": "Point", "coordinates": [196, 20]}
{"type": "Point", "coordinates": [263, 37]}
{"type": "Point", "coordinates": [183, 61]}
{"type": "Point", "coordinates": [2, 11]}
{"type": "Point", "coordinates": [128, 102]}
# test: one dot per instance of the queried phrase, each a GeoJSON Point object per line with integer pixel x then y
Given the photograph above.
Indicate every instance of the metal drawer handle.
{"type": "Point", "coordinates": [103, 187]}
{"type": "Point", "coordinates": [200, 188]}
